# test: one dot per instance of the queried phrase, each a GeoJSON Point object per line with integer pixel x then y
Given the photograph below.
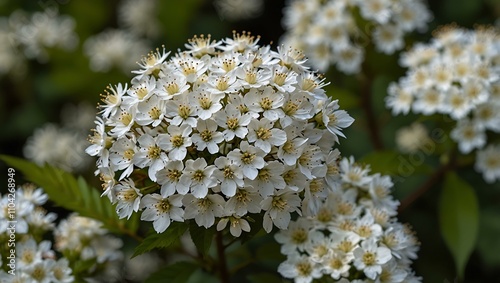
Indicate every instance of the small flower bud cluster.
{"type": "Point", "coordinates": [220, 131]}
{"type": "Point", "coordinates": [336, 31]}
{"type": "Point", "coordinates": [354, 235]}
{"type": "Point", "coordinates": [456, 74]}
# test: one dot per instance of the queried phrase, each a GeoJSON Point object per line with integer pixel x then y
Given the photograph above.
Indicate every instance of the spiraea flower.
{"type": "Point", "coordinates": [237, 10]}
{"type": "Point", "coordinates": [42, 30]}
{"type": "Point", "coordinates": [218, 134]}
{"type": "Point", "coordinates": [457, 75]}
{"type": "Point", "coordinates": [412, 138]}
{"type": "Point", "coordinates": [354, 235]}
{"type": "Point", "coordinates": [114, 48]}
{"type": "Point", "coordinates": [333, 32]}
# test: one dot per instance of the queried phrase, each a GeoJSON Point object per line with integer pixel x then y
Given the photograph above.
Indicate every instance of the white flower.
{"type": "Point", "coordinates": [370, 257]}
{"type": "Point", "coordinates": [278, 208]}
{"type": "Point", "coordinates": [112, 99]}
{"type": "Point", "coordinates": [249, 158]}
{"type": "Point", "coordinates": [265, 101]}
{"type": "Point", "coordinates": [113, 48]}
{"type": "Point", "coordinates": [488, 163]}
{"type": "Point", "coordinates": [234, 10]}
{"type": "Point", "coordinates": [169, 179]}
{"type": "Point", "coordinates": [151, 111]}
{"type": "Point", "coordinates": [171, 85]}
{"type": "Point", "coordinates": [62, 272]}
{"type": "Point", "coordinates": [150, 154]}
{"type": "Point", "coordinates": [121, 155]}
{"type": "Point", "coordinates": [468, 135]}
{"type": "Point", "coordinates": [162, 210]}
{"type": "Point", "coordinates": [263, 134]}
{"type": "Point", "coordinates": [335, 119]}
{"type": "Point", "coordinates": [198, 177]}
{"type": "Point", "coordinates": [128, 198]}
{"type": "Point", "coordinates": [139, 17]}
{"type": "Point", "coordinates": [236, 225]}
{"type": "Point", "coordinates": [176, 141]}
{"type": "Point", "coordinates": [388, 38]}
{"type": "Point", "coordinates": [296, 237]}
{"type": "Point", "coordinates": [203, 210]}
{"type": "Point", "coordinates": [233, 122]}
{"type": "Point", "coordinates": [245, 199]}
{"type": "Point", "coordinates": [207, 137]}
{"type": "Point", "coordinates": [412, 138]}
{"type": "Point", "coordinates": [299, 267]}
{"type": "Point", "coordinates": [229, 175]}
{"type": "Point", "coordinates": [269, 178]}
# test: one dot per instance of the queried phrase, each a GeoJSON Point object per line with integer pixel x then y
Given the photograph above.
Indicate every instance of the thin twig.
{"type": "Point", "coordinates": [433, 180]}
{"type": "Point", "coordinates": [367, 106]}
{"type": "Point", "coordinates": [224, 275]}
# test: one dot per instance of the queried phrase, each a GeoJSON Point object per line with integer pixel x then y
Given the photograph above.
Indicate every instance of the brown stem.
{"type": "Point", "coordinates": [224, 275]}
{"type": "Point", "coordinates": [371, 120]}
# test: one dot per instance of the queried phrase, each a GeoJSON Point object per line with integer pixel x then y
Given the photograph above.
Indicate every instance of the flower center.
{"type": "Point", "coordinates": [232, 123]}
{"type": "Point", "coordinates": [154, 152]}
{"type": "Point", "coordinates": [264, 175]}
{"type": "Point", "coordinates": [198, 175]}
{"type": "Point", "coordinates": [324, 215]}
{"type": "Point", "coordinates": [174, 175]}
{"type": "Point", "coordinates": [304, 269]}
{"type": "Point", "coordinates": [177, 141]}
{"type": "Point", "coordinates": [369, 258]}
{"type": "Point", "coordinates": [206, 135]}
{"type": "Point", "coordinates": [228, 173]}
{"type": "Point", "coordinates": [184, 111]}
{"type": "Point", "coordinates": [126, 118]}
{"type": "Point", "coordinates": [279, 203]}
{"type": "Point", "coordinates": [263, 133]}
{"type": "Point", "coordinates": [154, 113]}
{"type": "Point", "coordinates": [171, 88]}
{"type": "Point", "coordinates": [290, 108]}
{"type": "Point", "coordinates": [141, 92]}
{"type": "Point", "coordinates": [299, 236]}
{"type": "Point", "coordinates": [163, 206]}
{"type": "Point", "coordinates": [247, 157]}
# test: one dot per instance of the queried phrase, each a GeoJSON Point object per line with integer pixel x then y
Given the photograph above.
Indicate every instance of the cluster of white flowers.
{"type": "Point", "coordinates": [114, 48]}
{"type": "Point", "coordinates": [84, 239]}
{"type": "Point", "coordinates": [235, 10]}
{"type": "Point", "coordinates": [217, 132]}
{"type": "Point", "coordinates": [412, 138]}
{"type": "Point", "coordinates": [41, 30]}
{"type": "Point", "coordinates": [75, 239]}
{"type": "Point", "coordinates": [456, 74]}
{"type": "Point", "coordinates": [354, 236]}
{"type": "Point", "coordinates": [336, 31]}
{"type": "Point", "coordinates": [67, 151]}
{"type": "Point", "coordinates": [139, 17]}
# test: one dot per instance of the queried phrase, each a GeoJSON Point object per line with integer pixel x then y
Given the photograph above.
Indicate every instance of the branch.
{"type": "Point", "coordinates": [224, 275]}
{"type": "Point", "coordinates": [371, 120]}
{"type": "Point", "coordinates": [433, 180]}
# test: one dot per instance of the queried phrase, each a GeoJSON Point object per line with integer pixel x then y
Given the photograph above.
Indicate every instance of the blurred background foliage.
{"type": "Point", "coordinates": [36, 97]}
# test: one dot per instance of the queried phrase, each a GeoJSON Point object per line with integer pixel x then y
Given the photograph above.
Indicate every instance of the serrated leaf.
{"type": "Point", "coordinates": [458, 219]}
{"type": "Point", "coordinates": [73, 194]}
{"type": "Point", "coordinates": [264, 277]}
{"type": "Point", "coordinates": [178, 272]}
{"type": "Point", "coordinates": [163, 240]}
{"type": "Point", "coordinates": [202, 237]}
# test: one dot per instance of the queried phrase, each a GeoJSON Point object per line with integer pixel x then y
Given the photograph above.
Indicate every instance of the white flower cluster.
{"type": "Point", "coordinates": [336, 31]}
{"type": "Point", "coordinates": [41, 30]}
{"type": "Point", "coordinates": [114, 48]}
{"type": "Point", "coordinates": [236, 10]}
{"type": "Point", "coordinates": [217, 132]}
{"type": "Point", "coordinates": [353, 236]}
{"type": "Point", "coordinates": [139, 17]}
{"type": "Point", "coordinates": [456, 74]}
{"type": "Point", "coordinates": [83, 239]}
{"type": "Point", "coordinates": [76, 238]}
{"type": "Point", "coordinates": [67, 151]}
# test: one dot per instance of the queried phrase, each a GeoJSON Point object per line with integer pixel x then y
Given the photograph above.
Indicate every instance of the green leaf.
{"type": "Point", "coordinates": [178, 272]}
{"type": "Point", "coordinates": [74, 194]}
{"type": "Point", "coordinates": [163, 240]}
{"type": "Point", "coordinates": [264, 277]}
{"type": "Point", "coordinates": [202, 237]}
{"type": "Point", "coordinates": [459, 219]}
